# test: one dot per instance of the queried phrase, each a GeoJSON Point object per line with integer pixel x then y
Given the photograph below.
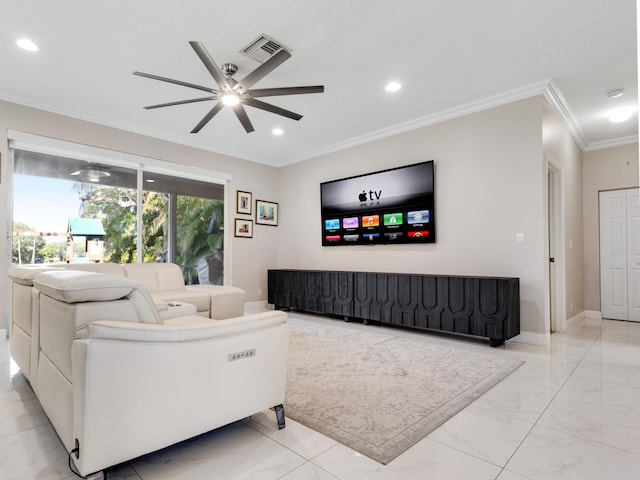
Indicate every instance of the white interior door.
{"type": "Point", "coordinates": [620, 254]}
{"type": "Point", "coordinates": [633, 253]}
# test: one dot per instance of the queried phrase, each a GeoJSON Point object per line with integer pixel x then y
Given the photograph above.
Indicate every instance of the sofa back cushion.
{"type": "Point", "coordinates": [73, 286]}
{"type": "Point", "coordinates": [155, 276]}
{"type": "Point", "coordinates": [24, 274]}
{"type": "Point", "coordinates": [112, 268]}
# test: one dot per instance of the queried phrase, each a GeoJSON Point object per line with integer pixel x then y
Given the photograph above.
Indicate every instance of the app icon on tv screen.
{"type": "Point", "coordinates": [351, 238]}
{"type": "Point", "coordinates": [393, 237]}
{"type": "Point", "coordinates": [371, 221]}
{"type": "Point", "coordinates": [351, 222]}
{"type": "Point", "coordinates": [370, 237]}
{"type": "Point", "coordinates": [419, 234]}
{"type": "Point", "coordinates": [332, 238]}
{"type": "Point", "coordinates": [418, 216]}
{"type": "Point", "coordinates": [333, 224]}
{"type": "Point", "coordinates": [391, 219]}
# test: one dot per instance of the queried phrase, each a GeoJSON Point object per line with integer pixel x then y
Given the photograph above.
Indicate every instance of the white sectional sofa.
{"type": "Point", "coordinates": [163, 281]}
{"type": "Point", "coordinates": [118, 381]}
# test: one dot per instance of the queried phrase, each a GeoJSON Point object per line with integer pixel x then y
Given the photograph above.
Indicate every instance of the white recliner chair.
{"type": "Point", "coordinates": [118, 382]}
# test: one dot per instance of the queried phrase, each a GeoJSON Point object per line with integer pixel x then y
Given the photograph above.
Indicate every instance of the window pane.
{"type": "Point", "coordinates": [89, 214]}
{"type": "Point", "coordinates": [200, 238]}
{"type": "Point", "coordinates": [183, 223]}
{"type": "Point", "coordinates": [115, 209]}
{"type": "Point", "coordinates": [73, 222]}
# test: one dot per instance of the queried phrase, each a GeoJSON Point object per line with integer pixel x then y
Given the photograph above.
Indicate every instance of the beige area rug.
{"type": "Point", "coordinates": [377, 393]}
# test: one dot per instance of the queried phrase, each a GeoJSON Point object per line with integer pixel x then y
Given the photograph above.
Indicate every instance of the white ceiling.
{"type": "Point", "coordinates": [452, 57]}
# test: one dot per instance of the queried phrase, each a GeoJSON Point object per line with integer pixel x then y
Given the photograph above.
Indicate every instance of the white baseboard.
{"type": "Point", "coordinates": [575, 319]}
{"type": "Point", "coordinates": [592, 317]}
{"type": "Point", "coordinates": [589, 317]}
{"type": "Point", "coordinates": [539, 339]}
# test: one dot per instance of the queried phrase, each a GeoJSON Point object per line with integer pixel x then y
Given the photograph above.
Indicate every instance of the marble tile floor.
{"type": "Point", "coordinates": [572, 411]}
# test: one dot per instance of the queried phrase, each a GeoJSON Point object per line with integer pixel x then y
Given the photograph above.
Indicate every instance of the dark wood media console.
{"type": "Point", "coordinates": [479, 306]}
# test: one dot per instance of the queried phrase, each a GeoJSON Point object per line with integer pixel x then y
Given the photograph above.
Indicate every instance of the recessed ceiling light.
{"type": "Point", "coordinates": [277, 131]}
{"type": "Point", "coordinates": [619, 116]}
{"type": "Point", "coordinates": [618, 92]}
{"type": "Point", "coordinates": [28, 45]}
{"type": "Point", "coordinates": [393, 87]}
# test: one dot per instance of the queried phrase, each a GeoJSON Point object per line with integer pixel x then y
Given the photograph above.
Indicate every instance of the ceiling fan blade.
{"type": "Point", "coordinates": [252, 102]}
{"type": "Point", "coordinates": [216, 108]}
{"type": "Point", "coordinates": [180, 102]}
{"type": "Point", "coordinates": [264, 69]}
{"type": "Point", "coordinates": [274, 92]}
{"type": "Point", "coordinates": [177, 82]}
{"type": "Point", "coordinates": [241, 113]}
{"type": "Point", "coordinates": [214, 70]}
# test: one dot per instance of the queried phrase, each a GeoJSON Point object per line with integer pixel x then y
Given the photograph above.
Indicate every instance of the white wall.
{"type": "Point", "coordinates": [606, 169]}
{"type": "Point", "coordinates": [489, 177]}
{"type": "Point", "coordinates": [560, 148]}
{"type": "Point", "coordinates": [250, 257]}
{"type": "Point", "coordinates": [490, 185]}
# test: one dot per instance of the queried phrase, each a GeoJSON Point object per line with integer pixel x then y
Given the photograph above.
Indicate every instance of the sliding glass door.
{"type": "Point", "coordinates": [183, 223]}
{"type": "Point", "coordinates": [69, 210]}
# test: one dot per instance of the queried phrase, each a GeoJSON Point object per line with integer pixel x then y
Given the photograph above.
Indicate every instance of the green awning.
{"type": "Point", "coordinates": [86, 227]}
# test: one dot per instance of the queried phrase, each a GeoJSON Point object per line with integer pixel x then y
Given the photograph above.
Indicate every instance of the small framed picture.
{"type": "Point", "coordinates": [243, 202]}
{"type": "Point", "coordinates": [244, 228]}
{"type": "Point", "coordinates": [266, 213]}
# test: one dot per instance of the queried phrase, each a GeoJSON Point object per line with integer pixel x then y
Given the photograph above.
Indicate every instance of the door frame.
{"type": "Point", "coordinates": [554, 213]}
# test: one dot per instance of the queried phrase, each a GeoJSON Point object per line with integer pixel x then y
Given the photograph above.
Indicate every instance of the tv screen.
{"type": "Point", "coordinates": [390, 206]}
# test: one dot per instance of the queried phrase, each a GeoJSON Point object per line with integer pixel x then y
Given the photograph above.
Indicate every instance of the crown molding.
{"type": "Point", "coordinates": [555, 98]}
{"type": "Point", "coordinates": [615, 142]}
{"type": "Point", "coordinates": [509, 96]}
{"type": "Point", "coordinates": [546, 88]}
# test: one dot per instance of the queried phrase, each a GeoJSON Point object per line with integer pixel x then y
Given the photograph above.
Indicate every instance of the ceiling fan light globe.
{"type": "Point", "coordinates": [230, 99]}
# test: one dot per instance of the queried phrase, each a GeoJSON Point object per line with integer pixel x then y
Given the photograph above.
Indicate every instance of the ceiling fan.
{"type": "Point", "coordinates": [233, 93]}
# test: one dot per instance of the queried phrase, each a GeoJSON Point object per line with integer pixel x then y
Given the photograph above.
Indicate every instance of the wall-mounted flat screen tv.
{"type": "Point", "coordinates": [386, 207]}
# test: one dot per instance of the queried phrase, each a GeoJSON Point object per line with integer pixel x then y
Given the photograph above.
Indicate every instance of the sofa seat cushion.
{"type": "Point", "coordinates": [73, 286]}
{"type": "Point", "coordinates": [226, 302]}
{"type": "Point", "coordinates": [201, 300]}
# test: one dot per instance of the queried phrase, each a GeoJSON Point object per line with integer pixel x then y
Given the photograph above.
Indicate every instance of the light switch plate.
{"type": "Point", "coordinates": [520, 238]}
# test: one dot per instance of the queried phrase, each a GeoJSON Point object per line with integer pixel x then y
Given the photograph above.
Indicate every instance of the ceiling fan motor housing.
{"type": "Point", "coordinates": [229, 69]}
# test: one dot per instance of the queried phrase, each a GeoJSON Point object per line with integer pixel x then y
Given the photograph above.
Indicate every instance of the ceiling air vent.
{"type": "Point", "coordinates": [263, 48]}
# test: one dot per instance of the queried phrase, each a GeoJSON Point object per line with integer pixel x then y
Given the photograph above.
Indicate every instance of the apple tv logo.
{"type": "Point", "coordinates": [365, 196]}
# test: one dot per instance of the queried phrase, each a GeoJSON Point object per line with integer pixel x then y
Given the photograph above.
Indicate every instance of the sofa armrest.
{"type": "Point", "coordinates": [226, 302]}
{"type": "Point", "coordinates": [185, 381]}
{"type": "Point", "coordinates": [199, 329]}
